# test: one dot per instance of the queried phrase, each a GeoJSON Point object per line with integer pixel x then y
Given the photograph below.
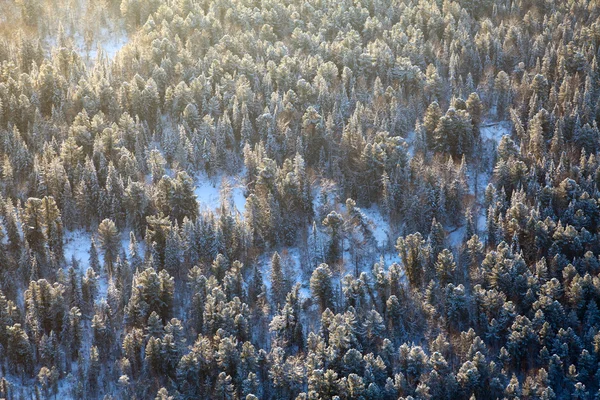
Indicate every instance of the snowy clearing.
{"type": "Point", "coordinates": [209, 193]}
{"type": "Point", "coordinates": [77, 245]}
{"type": "Point", "coordinates": [493, 131]}
{"type": "Point", "coordinates": [381, 228]}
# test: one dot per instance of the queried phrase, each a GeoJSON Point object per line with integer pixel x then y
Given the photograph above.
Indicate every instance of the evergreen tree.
{"type": "Point", "coordinates": [321, 286]}
{"type": "Point", "coordinates": [334, 222]}
{"type": "Point", "coordinates": [19, 349]}
{"type": "Point", "coordinates": [108, 236]}
{"type": "Point", "coordinates": [445, 266]}
{"type": "Point", "coordinates": [278, 281]}
{"type": "Point", "coordinates": [413, 254]}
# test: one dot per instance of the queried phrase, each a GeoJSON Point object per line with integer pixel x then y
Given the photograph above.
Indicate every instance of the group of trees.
{"type": "Point", "coordinates": [325, 109]}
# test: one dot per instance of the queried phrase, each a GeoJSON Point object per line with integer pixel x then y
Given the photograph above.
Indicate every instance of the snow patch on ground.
{"type": "Point", "coordinates": [77, 245]}
{"type": "Point", "coordinates": [238, 198]}
{"type": "Point", "coordinates": [410, 143]}
{"type": "Point", "coordinates": [494, 131]}
{"type": "Point", "coordinates": [491, 134]}
{"type": "Point", "coordinates": [105, 43]}
{"type": "Point", "coordinates": [455, 237]}
{"type": "Point", "coordinates": [379, 225]}
{"type": "Point", "coordinates": [209, 196]}
{"type": "Point", "coordinates": [113, 44]}
{"type": "Point", "coordinates": [390, 258]}
{"type": "Point", "coordinates": [482, 220]}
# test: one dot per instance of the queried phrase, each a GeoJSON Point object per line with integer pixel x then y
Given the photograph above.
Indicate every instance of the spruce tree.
{"type": "Point", "coordinates": [321, 286]}
{"type": "Point", "coordinates": [108, 236]}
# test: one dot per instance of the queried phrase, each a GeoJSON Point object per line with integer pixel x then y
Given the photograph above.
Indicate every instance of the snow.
{"type": "Point", "coordinates": [379, 225]}
{"type": "Point", "coordinates": [113, 45]}
{"type": "Point", "coordinates": [239, 200]}
{"type": "Point", "coordinates": [491, 134]}
{"type": "Point", "coordinates": [410, 143]}
{"type": "Point", "coordinates": [390, 258]}
{"type": "Point", "coordinates": [77, 244]}
{"type": "Point", "coordinates": [494, 131]}
{"type": "Point", "coordinates": [105, 43]}
{"type": "Point", "coordinates": [107, 49]}
{"type": "Point", "coordinates": [292, 258]}
{"type": "Point", "coordinates": [482, 221]}
{"type": "Point", "coordinates": [208, 192]}
{"type": "Point", "coordinates": [456, 236]}
{"type": "Point", "coordinates": [385, 236]}
{"type": "Point", "coordinates": [105, 46]}
{"type": "Point", "coordinates": [305, 292]}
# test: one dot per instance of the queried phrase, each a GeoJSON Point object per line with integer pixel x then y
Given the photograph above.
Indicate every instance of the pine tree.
{"type": "Point", "coordinates": [34, 226]}
{"type": "Point", "coordinates": [278, 282]}
{"type": "Point", "coordinates": [19, 351]}
{"type": "Point", "coordinates": [53, 227]}
{"type": "Point", "coordinates": [413, 255]}
{"type": "Point", "coordinates": [475, 252]}
{"type": "Point", "coordinates": [430, 122]}
{"type": "Point", "coordinates": [108, 235]}
{"type": "Point", "coordinates": [334, 222]}
{"type": "Point", "coordinates": [502, 86]}
{"type": "Point", "coordinates": [322, 287]}
{"type": "Point", "coordinates": [437, 238]}
{"type": "Point", "coordinates": [94, 368]}
{"type": "Point", "coordinates": [89, 289]}
{"type": "Point", "coordinates": [153, 359]}
{"type": "Point", "coordinates": [48, 379]}
{"type": "Point", "coordinates": [173, 252]}
{"type": "Point", "coordinates": [163, 394]}
{"type": "Point", "coordinates": [94, 262]}
{"type": "Point", "coordinates": [183, 202]}
{"type": "Point", "coordinates": [151, 291]}
{"type": "Point", "coordinates": [445, 266]}
{"type": "Point", "coordinates": [537, 142]}
{"type": "Point", "coordinates": [475, 110]}
{"type": "Point", "coordinates": [75, 333]}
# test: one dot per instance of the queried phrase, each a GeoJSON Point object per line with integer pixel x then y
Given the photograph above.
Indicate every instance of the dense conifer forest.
{"type": "Point", "coordinates": [300, 199]}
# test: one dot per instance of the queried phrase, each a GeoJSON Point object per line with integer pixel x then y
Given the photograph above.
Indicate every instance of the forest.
{"type": "Point", "coordinates": [299, 199]}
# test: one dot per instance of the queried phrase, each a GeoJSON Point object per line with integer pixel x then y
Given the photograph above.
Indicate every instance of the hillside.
{"type": "Point", "coordinates": [310, 200]}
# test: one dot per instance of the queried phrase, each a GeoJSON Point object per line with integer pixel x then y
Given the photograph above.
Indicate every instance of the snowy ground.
{"type": "Point", "coordinates": [410, 143]}
{"type": "Point", "coordinates": [104, 43]}
{"type": "Point", "coordinates": [77, 244]}
{"type": "Point", "coordinates": [209, 192]}
{"type": "Point", "coordinates": [108, 44]}
{"type": "Point", "coordinates": [379, 225]}
{"type": "Point", "coordinates": [456, 236]}
{"type": "Point", "coordinates": [493, 131]}
{"type": "Point", "coordinates": [491, 134]}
